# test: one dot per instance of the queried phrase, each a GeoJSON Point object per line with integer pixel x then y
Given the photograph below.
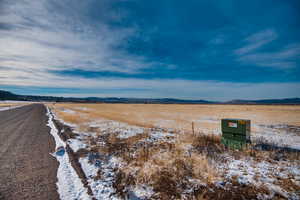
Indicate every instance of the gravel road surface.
{"type": "Point", "coordinates": [27, 170]}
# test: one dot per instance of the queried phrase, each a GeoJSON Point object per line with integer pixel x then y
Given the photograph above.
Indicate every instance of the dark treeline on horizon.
{"type": "Point", "coordinates": [6, 95]}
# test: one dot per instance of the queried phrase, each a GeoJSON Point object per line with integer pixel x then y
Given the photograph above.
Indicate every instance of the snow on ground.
{"type": "Point", "coordinates": [76, 144]}
{"type": "Point", "coordinates": [159, 135]}
{"type": "Point", "coordinates": [29, 102]}
{"type": "Point", "coordinates": [208, 120]}
{"type": "Point", "coordinates": [246, 170]}
{"type": "Point", "coordinates": [69, 184]}
{"type": "Point", "coordinates": [69, 111]}
{"type": "Point", "coordinates": [82, 108]}
{"type": "Point", "coordinates": [277, 134]}
{"type": "Point", "coordinates": [161, 123]}
{"type": "Point", "coordinates": [102, 187]}
{"type": "Point", "coordinates": [281, 135]}
{"type": "Point", "coordinates": [2, 108]}
{"type": "Point", "coordinates": [250, 172]}
{"type": "Point", "coordinates": [140, 192]}
{"type": "Point", "coordinates": [124, 130]}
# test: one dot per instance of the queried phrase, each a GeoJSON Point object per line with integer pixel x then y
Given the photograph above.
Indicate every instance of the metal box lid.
{"type": "Point", "coordinates": [237, 126]}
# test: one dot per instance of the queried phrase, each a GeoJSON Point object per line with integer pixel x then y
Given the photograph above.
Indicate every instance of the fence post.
{"type": "Point", "coordinates": [193, 128]}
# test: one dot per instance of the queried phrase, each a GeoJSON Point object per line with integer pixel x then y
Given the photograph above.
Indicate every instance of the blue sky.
{"type": "Point", "coordinates": [196, 49]}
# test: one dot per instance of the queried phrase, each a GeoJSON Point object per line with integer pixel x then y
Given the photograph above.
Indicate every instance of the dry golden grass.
{"type": "Point", "coordinates": [71, 118]}
{"type": "Point", "coordinates": [9, 104]}
{"type": "Point", "coordinates": [169, 166]}
{"type": "Point", "coordinates": [151, 161]}
{"type": "Point", "coordinates": [164, 165]}
{"type": "Point", "coordinates": [180, 117]}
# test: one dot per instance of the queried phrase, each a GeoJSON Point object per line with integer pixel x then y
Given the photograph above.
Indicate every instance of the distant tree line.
{"type": "Point", "coordinates": [6, 95]}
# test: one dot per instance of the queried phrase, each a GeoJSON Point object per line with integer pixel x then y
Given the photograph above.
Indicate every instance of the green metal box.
{"type": "Point", "coordinates": [235, 132]}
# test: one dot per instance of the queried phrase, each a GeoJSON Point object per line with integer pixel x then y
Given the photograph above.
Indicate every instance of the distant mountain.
{"type": "Point", "coordinates": [145, 100]}
{"type": "Point", "coordinates": [266, 101]}
{"type": "Point", "coordinates": [5, 95]}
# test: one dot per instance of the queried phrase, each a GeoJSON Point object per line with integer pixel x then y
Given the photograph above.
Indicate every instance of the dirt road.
{"type": "Point", "coordinates": [27, 170]}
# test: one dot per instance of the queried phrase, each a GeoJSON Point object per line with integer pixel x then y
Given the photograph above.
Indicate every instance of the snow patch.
{"type": "Point", "coordinates": [160, 136]}
{"type": "Point", "coordinates": [279, 135]}
{"type": "Point", "coordinates": [82, 108]}
{"type": "Point", "coordinates": [2, 108]}
{"type": "Point", "coordinates": [249, 172]}
{"type": "Point", "coordinates": [68, 111]}
{"type": "Point", "coordinates": [69, 184]}
{"type": "Point", "coordinates": [140, 192]}
{"type": "Point", "coordinates": [208, 120]}
{"type": "Point", "coordinates": [102, 187]}
{"type": "Point", "coordinates": [89, 169]}
{"type": "Point", "coordinates": [124, 130]}
{"type": "Point", "coordinates": [76, 144]}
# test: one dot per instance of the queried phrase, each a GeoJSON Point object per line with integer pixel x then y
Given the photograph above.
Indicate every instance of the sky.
{"type": "Point", "coordinates": [196, 49]}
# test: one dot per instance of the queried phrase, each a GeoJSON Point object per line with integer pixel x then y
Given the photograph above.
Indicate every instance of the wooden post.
{"type": "Point", "coordinates": [193, 128]}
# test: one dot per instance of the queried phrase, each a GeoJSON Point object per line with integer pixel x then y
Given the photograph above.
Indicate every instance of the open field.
{"type": "Point", "coordinates": [265, 120]}
{"type": "Point", "coordinates": [181, 116]}
{"type": "Point", "coordinates": [150, 151]}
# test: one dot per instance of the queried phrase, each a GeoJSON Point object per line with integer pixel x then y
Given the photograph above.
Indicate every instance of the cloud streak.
{"type": "Point", "coordinates": [101, 45]}
{"type": "Point", "coordinates": [256, 41]}
{"type": "Point", "coordinates": [39, 36]}
{"type": "Point", "coordinates": [283, 59]}
{"type": "Point", "coordinates": [155, 88]}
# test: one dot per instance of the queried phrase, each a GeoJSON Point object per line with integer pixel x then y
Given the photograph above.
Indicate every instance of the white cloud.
{"type": "Point", "coordinates": [282, 59]}
{"type": "Point", "coordinates": [56, 35]}
{"type": "Point", "coordinates": [153, 88]}
{"type": "Point", "coordinates": [251, 53]}
{"type": "Point", "coordinates": [38, 36]}
{"type": "Point", "coordinates": [256, 41]}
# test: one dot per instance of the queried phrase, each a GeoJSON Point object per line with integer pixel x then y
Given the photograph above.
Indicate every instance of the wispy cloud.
{"type": "Point", "coordinates": [40, 37]}
{"type": "Point", "coordinates": [154, 88]}
{"type": "Point", "coordinates": [251, 54]}
{"type": "Point", "coordinates": [56, 35]}
{"type": "Point", "coordinates": [256, 41]}
{"type": "Point", "coordinates": [282, 59]}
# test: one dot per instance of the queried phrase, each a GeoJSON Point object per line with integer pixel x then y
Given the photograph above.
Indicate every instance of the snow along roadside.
{"type": "Point", "coordinates": [69, 184]}
{"type": "Point", "coordinates": [2, 108]}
